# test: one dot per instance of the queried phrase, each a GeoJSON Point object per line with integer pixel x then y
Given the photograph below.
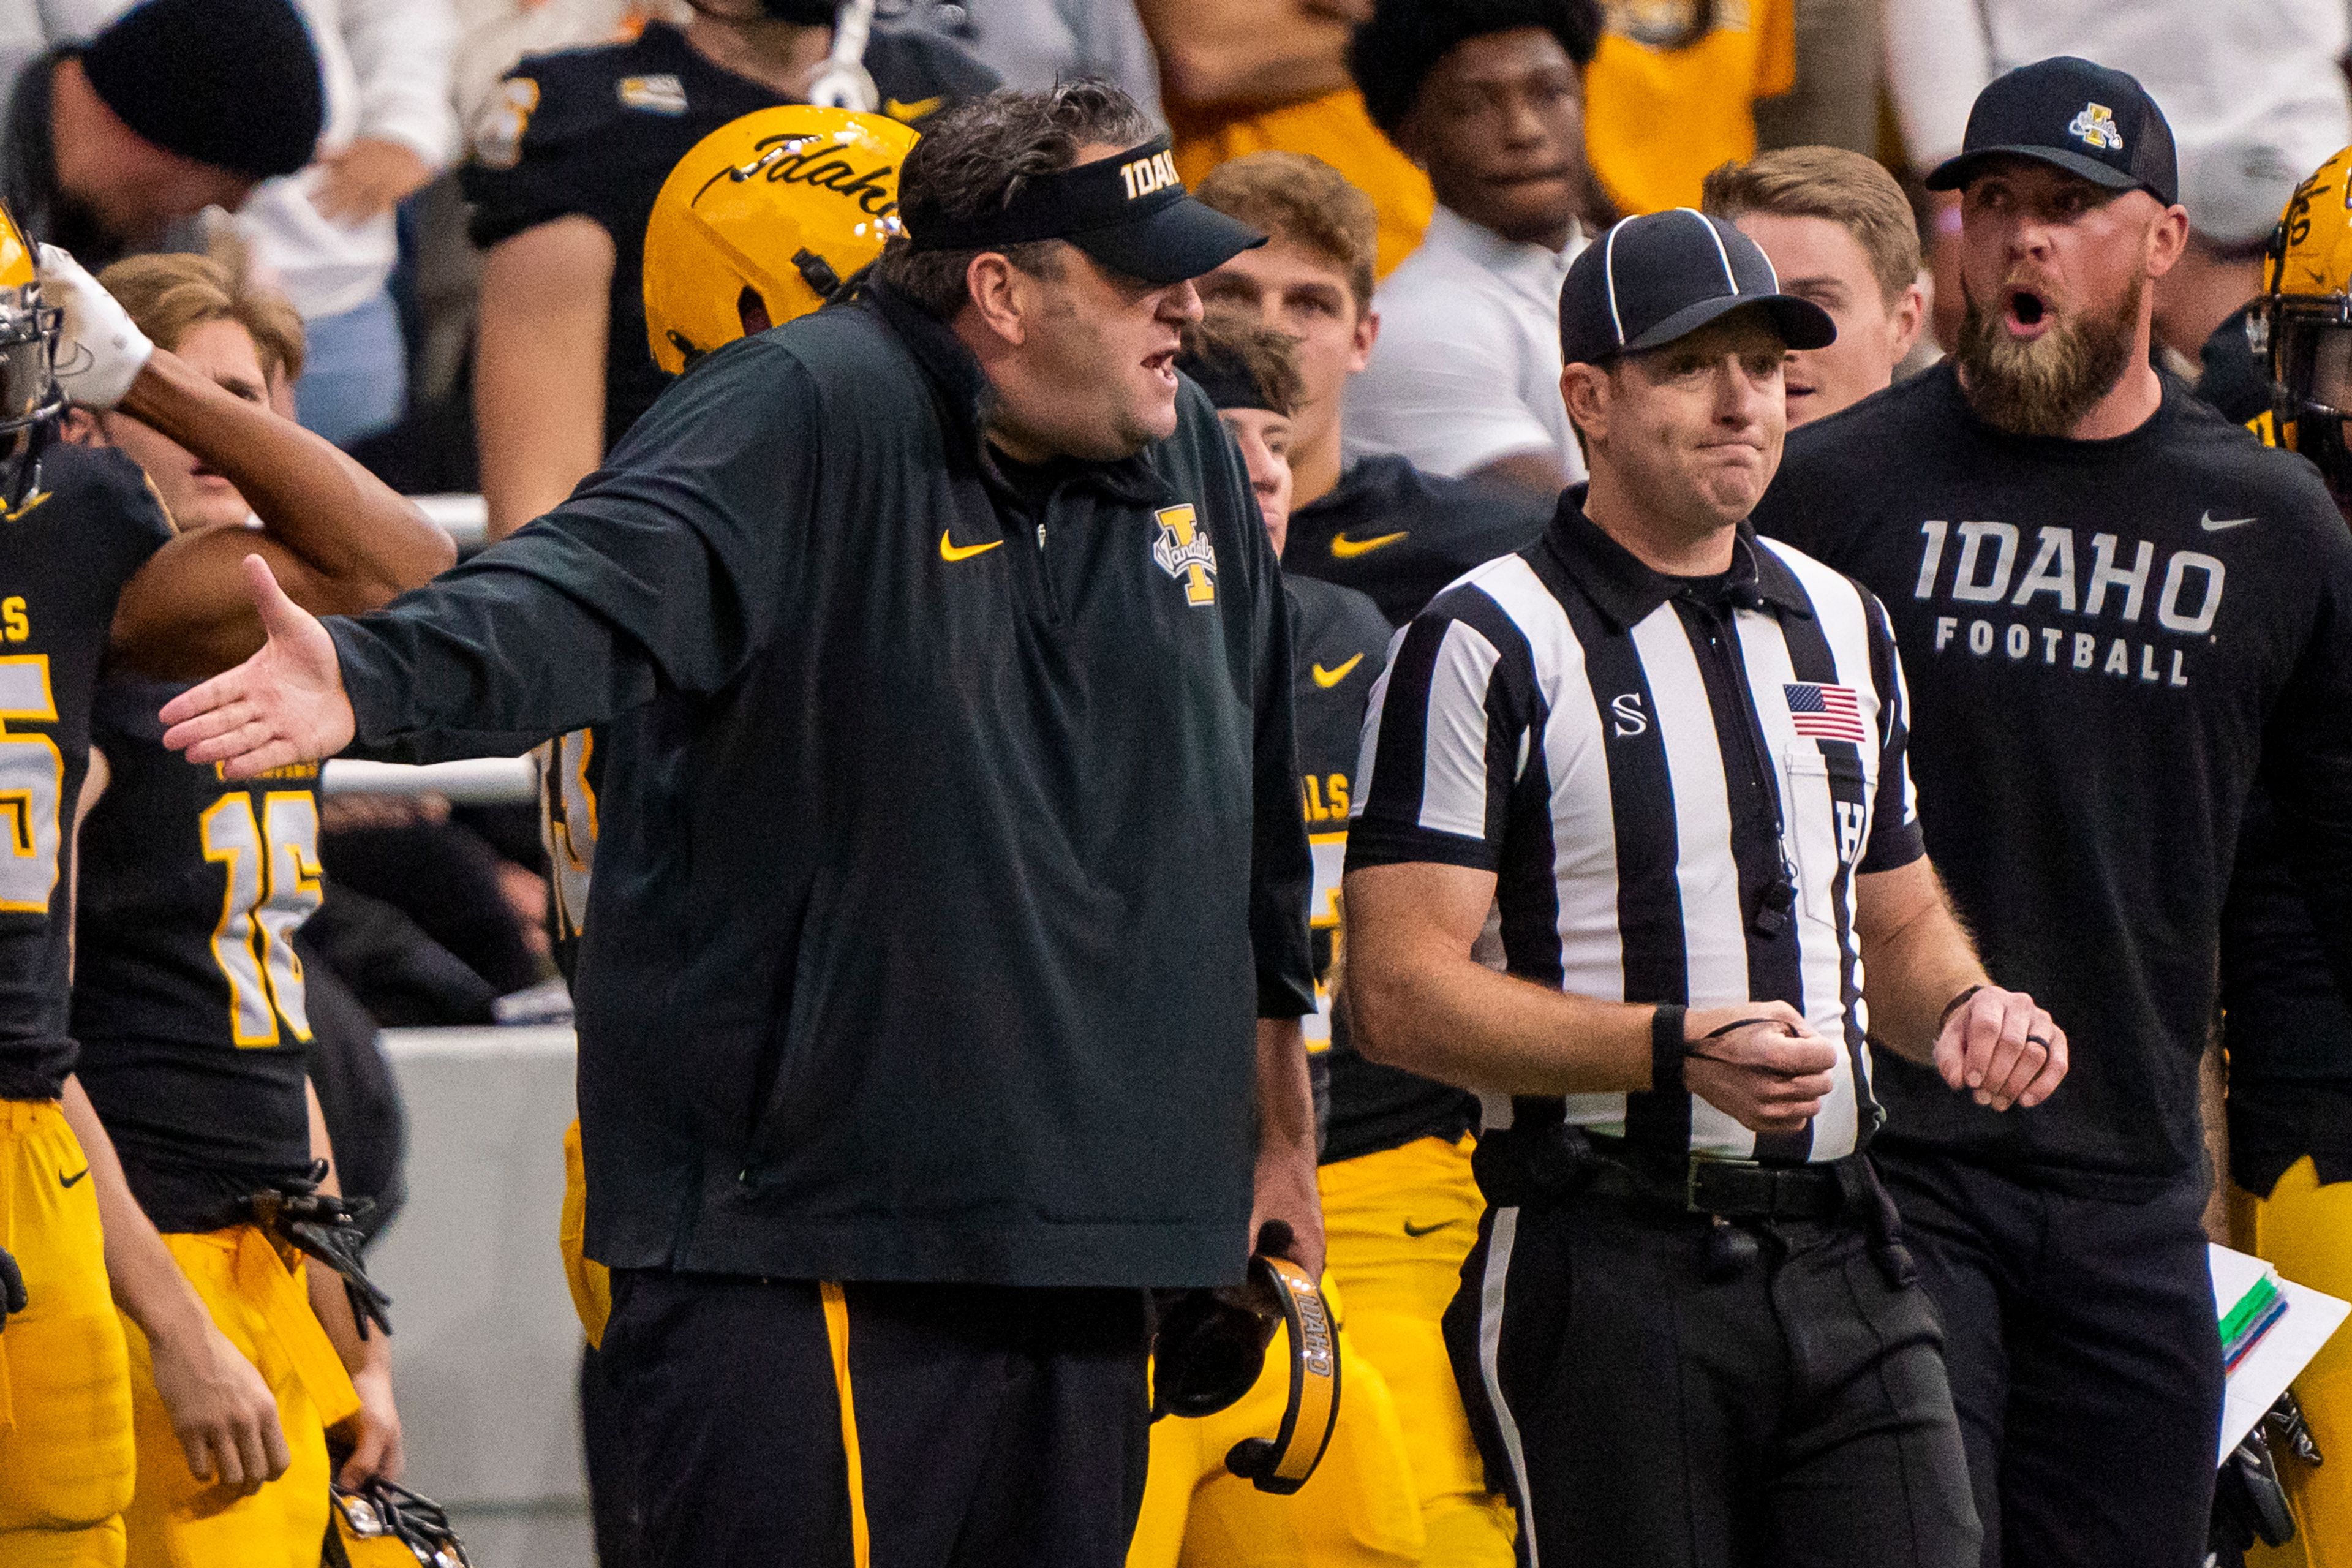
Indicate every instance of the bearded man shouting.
{"type": "Point", "coordinates": [2116, 609]}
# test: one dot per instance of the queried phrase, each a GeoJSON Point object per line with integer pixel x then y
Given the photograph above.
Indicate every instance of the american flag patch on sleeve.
{"type": "Point", "coordinates": [1825, 713]}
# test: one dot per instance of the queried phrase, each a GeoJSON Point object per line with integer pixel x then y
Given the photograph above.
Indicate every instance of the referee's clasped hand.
{"type": "Point", "coordinates": [2001, 1049]}
{"type": "Point", "coordinates": [1759, 1063]}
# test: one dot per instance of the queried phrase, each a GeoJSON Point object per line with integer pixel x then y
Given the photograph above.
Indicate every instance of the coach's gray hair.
{"type": "Point", "coordinates": [975, 158]}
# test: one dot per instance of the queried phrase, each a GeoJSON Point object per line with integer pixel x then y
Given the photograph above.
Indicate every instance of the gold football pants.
{"type": "Point", "coordinates": [1398, 1224]}
{"type": "Point", "coordinates": [66, 1452]}
{"type": "Point", "coordinates": [2304, 1227]}
{"type": "Point", "coordinates": [257, 1296]}
{"type": "Point", "coordinates": [1402, 1482]}
{"type": "Point", "coordinates": [1356, 1510]}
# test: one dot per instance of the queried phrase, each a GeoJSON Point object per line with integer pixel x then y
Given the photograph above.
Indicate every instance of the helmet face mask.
{"type": "Point", "coordinates": [2311, 370]}
{"type": "Point", "coordinates": [30, 401]}
{"type": "Point", "coordinates": [2303, 323]}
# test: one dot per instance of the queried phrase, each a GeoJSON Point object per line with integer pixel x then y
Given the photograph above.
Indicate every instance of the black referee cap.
{"type": "Point", "coordinates": [1663, 276]}
{"type": "Point", "coordinates": [231, 83]}
{"type": "Point", "coordinates": [2071, 114]}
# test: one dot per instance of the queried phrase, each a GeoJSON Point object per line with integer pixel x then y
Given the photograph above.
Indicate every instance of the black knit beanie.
{"type": "Point", "coordinates": [233, 83]}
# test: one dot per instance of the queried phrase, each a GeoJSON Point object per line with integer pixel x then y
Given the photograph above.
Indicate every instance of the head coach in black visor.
{"type": "Point", "coordinates": [945, 960]}
{"type": "Point", "coordinates": [1673, 755]}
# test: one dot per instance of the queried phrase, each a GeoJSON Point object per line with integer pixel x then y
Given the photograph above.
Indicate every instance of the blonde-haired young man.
{"type": "Point", "coordinates": [1839, 231]}
{"type": "Point", "coordinates": [1379, 524]}
{"type": "Point", "coordinates": [1400, 1207]}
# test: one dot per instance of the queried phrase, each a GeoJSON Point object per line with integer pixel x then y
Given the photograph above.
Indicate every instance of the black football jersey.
{"type": "Point", "coordinates": [1398, 534]}
{"type": "Point", "coordinates": [188, 997]}
{"type": "Point", "coordinates": [65, 555]}
{"type": "Point", "coordinates": [1341, 648]}
{"type": "Point", "coordinates": [594, 132]}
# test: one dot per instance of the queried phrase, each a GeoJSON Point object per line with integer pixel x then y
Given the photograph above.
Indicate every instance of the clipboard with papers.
{"type": "Point", "coordinates": [2270, 1328]}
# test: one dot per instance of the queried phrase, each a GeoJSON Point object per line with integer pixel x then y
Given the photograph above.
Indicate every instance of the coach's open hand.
{"type": "Point", "coordinates": [284, 705]}
{"type": "Point", "coordinates": [2002, 1049]}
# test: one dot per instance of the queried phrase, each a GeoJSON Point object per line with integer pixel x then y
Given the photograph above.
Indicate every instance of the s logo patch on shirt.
{"type": "Point", "coordinates": [661, 94]}
{"type": "Point", "coordinates": [1184, 552]}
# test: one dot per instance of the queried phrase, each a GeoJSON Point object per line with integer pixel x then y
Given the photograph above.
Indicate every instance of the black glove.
{"type": "Point", "coordinates": [329, 1229]}
{"type": "Point", "coordinates": [12, 1287]}
{"type": "Point", "coordinates": [2248, 1503]}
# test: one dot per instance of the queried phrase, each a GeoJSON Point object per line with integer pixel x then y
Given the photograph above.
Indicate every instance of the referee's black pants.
{"type": "Point", "coordinates": [2085, 1361]}
{"type": "Point", "coordinates": [774, 1424]}
{"type": "Point", "coordinates": [1643, 1414]}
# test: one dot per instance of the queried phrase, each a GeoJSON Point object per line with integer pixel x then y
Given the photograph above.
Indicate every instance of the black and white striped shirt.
{"type": "Point", "coordinates": [1642, 761]}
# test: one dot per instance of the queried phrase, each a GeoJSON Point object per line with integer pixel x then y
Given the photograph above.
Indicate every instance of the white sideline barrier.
{"type": "Point", "coordinates": [477, 781]}
{"type": "Point", "coordinates": [466, 519]}
{"type": "Point", "coordinates": [485, 1361]}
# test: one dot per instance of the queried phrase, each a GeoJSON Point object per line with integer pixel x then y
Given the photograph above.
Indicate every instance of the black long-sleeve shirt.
{"type": "Point", "coordinates": [2107, 643]}
{"type": "Point", "coordinates": [950, 844]}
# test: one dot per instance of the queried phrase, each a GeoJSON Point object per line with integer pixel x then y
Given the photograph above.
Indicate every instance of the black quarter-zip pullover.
{"type": "Point", "coordinates": [942, 878]}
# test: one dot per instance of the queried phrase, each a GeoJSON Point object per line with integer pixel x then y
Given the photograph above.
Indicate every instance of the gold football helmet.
{"type": "Point", "coordinates": [2305, 321]}
{"type": "Point", "coordinates": [29, 399]}
{"type": "Point", "coordinates": [765, 219]}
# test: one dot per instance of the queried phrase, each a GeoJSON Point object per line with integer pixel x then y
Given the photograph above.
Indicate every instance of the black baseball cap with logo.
{"type": "Point", "coordinates": [2073, 115]}
{"type": "Point", "coordinates": [1663, 276]}
{"type": "Point", "coordinates": [1129, 211]}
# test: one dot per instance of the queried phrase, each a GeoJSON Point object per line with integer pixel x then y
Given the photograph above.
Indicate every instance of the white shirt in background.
{"type": "Point", "coordinates": [2251, 87]}
{"type": "Point", "coordinates": [1467, 366]}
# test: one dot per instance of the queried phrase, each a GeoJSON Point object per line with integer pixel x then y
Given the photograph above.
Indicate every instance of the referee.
{"type": "Point", "coordinates": [951, 896]}
{"type": "Point", "coordinates": [1673, 757]}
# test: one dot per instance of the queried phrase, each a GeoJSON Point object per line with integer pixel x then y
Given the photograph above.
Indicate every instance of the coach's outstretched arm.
{"type": "Point", "coordinates": [667, 569]}
{"type": "Point", "coordinates": [286, 704]}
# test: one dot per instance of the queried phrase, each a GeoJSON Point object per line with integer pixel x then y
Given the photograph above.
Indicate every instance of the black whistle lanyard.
{"type": "Point", "coordinates": [1770, 918]}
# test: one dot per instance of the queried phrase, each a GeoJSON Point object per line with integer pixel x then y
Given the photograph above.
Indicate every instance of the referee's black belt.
{"type": "Point", "coordinates": [1539, 1166]}
{"type": "Point", "coordinates": [1743, 1189]}
{"type": "Point", "coordinates": [1543, 1165]}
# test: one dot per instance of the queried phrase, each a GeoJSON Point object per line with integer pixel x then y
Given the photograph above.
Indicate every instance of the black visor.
{"type": "Point", "coordinates": [1129, 211]}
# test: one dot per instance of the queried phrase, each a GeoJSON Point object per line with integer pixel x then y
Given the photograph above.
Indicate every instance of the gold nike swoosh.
{"type": "Point", "coordinates": [35, 498]}
{"type": "Point", "coordinates": [1328, 678]}
{"type": "Point", "coordinates": [902, 110]}
{"type": "Point", "coordinates": [950, 550]}
{"type": "Point", "coordinates": [1346, 549]}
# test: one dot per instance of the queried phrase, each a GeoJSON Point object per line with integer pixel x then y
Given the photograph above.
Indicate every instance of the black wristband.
{"type": "Point", "coordinates": [1666, 1048]}
{"type": "Point", "coordinates": [1956, 1003]}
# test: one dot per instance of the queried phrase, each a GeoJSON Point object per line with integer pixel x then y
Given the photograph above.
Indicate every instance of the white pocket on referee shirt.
{"type": "Point", "coordinates": [1823, 837]}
